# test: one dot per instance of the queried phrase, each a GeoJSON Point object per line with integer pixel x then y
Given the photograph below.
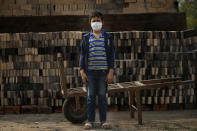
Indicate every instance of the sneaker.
{"type": "Point", "coordinates": [88, 126]}
{"type": "Point", "coordinates": [106, 125]}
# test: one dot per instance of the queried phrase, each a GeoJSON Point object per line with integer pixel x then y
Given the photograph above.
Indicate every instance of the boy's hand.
{"type": "Point", "coordinates": [84, 77]}
{"type": "Point", "coordinates": [109, 77]}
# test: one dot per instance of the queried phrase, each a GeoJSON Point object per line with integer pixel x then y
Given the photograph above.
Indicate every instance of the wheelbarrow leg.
{"type": "Point", "coordinates": [132, 110]}
{"type": "Point", "coordinates": [139, 107]}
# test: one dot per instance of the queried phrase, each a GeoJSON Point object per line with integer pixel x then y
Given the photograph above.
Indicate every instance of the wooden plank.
{"type": "Point", "coordinates": [139, 107]}
{"type": "Point", "coordinates": [131, 96]}
{"type": "Point", "coordinates": [62, 73]}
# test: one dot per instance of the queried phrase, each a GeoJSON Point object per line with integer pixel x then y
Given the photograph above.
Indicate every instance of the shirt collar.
{"type": "Point", "coordinates": [102, 32]}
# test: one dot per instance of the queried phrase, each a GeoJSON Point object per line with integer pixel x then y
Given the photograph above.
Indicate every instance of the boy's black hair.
{"type": "Point", "coordinates": [96, 14]}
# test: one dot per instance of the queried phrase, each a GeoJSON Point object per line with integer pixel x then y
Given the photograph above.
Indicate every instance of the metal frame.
{"type": "Point", "coordinates": [131, 87]}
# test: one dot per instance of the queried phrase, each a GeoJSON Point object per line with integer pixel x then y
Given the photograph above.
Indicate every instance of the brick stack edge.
{"type": "Point", "coordinates": [29, 73]}
{"type": "Point", "coordinates": [113, 22]}
{"type": "Point", "coordinates": [83, 7]}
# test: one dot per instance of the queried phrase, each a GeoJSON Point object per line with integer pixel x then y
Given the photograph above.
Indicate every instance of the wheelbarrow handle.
{"type": "Point", "coordinates": [187, 81]}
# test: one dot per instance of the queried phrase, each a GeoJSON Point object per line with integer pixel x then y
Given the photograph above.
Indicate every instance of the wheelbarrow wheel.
{"type": "Point", "coordinates": [71, 113]}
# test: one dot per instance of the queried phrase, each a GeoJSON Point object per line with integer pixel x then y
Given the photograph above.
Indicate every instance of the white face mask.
{"type": "Point", "coordinates": [96, 25]}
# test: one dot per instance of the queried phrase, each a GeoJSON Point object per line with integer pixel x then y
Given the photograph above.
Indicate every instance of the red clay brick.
{"type": "Point", "coordinates": [58, 110]}
{"type": "Point", "coordinates": [12, 110]}
{"type": "Point", "coordinates": [29, 109]}
{"type": "Point", "coordinates": [1, 110]}
{"type": "Point", "coordinates": [113, 108]}
{"type": "Point", "coordinates": [190, 106]}
{"type": "Point", "coordinates": [124, 108]}
{"type": "Point", "coordinates": [163, 107]}
{"type": "Point", "coordinates": [146, 107]}
{"type": "Point", "coordinates": [156, 107]}
{"type": "Point", "coordinates": [44, 109]}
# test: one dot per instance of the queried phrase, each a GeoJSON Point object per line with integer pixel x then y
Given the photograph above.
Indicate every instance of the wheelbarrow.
{"type": "Point", "coordinates": [75, 104]}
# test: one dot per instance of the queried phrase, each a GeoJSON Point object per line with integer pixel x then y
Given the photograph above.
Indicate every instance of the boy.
{"type": "Point", "coordinates": [97, 68]}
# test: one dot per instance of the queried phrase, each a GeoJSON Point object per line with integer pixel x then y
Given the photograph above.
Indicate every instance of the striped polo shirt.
{"type": "Point", "coordinates": [97, 59]}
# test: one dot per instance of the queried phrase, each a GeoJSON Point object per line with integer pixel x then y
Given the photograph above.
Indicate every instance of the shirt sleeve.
{"type": "Point", "coordinates": [82, 55]}
{"type": "Point", "coordinates": [111, 53]}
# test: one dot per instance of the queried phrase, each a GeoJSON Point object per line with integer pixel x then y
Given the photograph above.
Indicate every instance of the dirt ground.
{"type": "Point", "coordinates": [181, 120]}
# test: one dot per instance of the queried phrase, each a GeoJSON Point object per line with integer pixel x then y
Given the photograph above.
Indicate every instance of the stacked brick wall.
{"type": "Point", "coordinates": [29, 71]}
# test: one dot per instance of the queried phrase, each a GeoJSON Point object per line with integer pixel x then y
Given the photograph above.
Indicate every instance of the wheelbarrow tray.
{"type": "Point", "coordinates": [130, 86]}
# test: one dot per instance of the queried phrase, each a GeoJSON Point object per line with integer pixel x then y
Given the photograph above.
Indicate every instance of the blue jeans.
{"type": "Point", "coordinates": [96, 86]}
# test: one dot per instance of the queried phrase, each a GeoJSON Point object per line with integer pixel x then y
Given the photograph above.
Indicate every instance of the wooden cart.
{"type": "Point", "coordinates": [74, 107]}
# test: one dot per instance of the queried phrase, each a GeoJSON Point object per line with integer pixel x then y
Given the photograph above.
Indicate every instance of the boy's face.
{"type": "Point", "coordinates": [96, 23]}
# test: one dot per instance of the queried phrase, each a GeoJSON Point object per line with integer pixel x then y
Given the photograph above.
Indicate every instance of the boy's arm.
{"type": "Point", "coordinates": [82, 55]}
{"type": "Point", "coordinates": [111, 55]}
{"type": "Point", "coordinates": [82, 62]}
{"type": "Point", "coordinates": [111, 58]}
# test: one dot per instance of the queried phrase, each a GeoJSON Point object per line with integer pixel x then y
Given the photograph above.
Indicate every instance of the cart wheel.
{"type": "Point", "coordinates": [71, 113]}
